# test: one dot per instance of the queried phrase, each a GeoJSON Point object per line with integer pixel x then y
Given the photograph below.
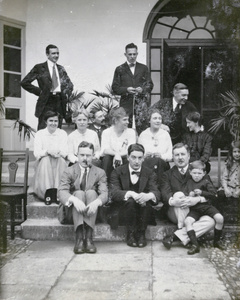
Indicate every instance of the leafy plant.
{"type": "Point", "coordinates": [76, 101]}
{"type": "Point", "coordinates": [104, 102]}
{"type": "Point", "coordinates": [229, 115]}
{"type": "Point", "coordinates": [25, 129]}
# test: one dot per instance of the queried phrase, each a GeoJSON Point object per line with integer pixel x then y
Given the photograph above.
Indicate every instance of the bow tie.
{"type": "Point", "coordinates": [131, 65]}
{"type": "Point", "coordinates": [136, 173]}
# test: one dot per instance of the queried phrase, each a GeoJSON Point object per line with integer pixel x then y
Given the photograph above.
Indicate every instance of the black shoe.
{"type": "Point", "coordinates": [194, 249]}
{"type": "Point", "coordinates": [167, 241]}
{"type": "Point", "coordinates": [48, 201]}
{"type": "Point", "coordinates": [48, 197]}
{"type": "Point", "coordinates": [220, 245]}
{"type": "Point", "coordinates": [90, 247]}
{"type": "Point", "coordinates": [79, 247]}
{"type": "Point", "coordinates": [131, 240]}
{"type": "Point", "coordinates": [142, 242]}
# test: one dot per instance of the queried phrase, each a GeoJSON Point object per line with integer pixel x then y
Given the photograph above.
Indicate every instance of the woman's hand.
{"type": "Point", "coordinates": [54, 154]}
{"type": "Point", "coordinates": [228, 192]}
{"type": "Point", "coordinates": [117, 160]}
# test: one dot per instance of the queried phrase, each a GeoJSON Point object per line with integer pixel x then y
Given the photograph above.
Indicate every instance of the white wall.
{"type": "Point", "coordinates": [91, 36]}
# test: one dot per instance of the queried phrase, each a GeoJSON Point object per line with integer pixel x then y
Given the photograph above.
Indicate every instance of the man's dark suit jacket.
{"type": "Point", "coordinates": [40, 72]}
{"type": "Point", "coordinates": [120, 182]}
{"type": "Point", "coordinates": [123, 78]}
{"type": "Point", "coordinates": [173, 181]}
{"type": "Point", "coordinates": [170, 118]}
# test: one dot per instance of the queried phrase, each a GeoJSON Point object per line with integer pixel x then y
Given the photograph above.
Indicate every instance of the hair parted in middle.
{"type": "Point", "coordinates": [136, 147]}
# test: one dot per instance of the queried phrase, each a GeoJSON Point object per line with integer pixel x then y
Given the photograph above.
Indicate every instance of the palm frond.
{"type": "Point", "coordinates": [25, 128]}
{"type": "Point", "coordinates": [229, 115]}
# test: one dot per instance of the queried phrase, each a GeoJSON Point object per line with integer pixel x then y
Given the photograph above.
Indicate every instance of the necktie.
{"type": "Point", "coordinates": [54, 79]}
{"type": "Point", "coordinates": [177, 109]}
{"type": "Point", "coordinates": [182, 171]}
{"type": "Point", "coordinates": [131, 65]}
{"type": "Point", "coordinates": [84, 180]}
{"type": "Point", "coordinates": [136, 173]}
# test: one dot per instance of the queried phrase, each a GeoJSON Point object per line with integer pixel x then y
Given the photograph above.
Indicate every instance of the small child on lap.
{"type": "Point", "coordinates": [199, 186]}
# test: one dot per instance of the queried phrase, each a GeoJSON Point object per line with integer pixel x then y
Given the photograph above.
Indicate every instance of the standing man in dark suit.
{"type": "Point", "coordinates": [175, 110]}
{"type": "Point", "coordinates": [131, 81]}
{"type": "Point", "coordinates": [54, 86]}
{"type": "Point", "coordinates": [136, 187]}
{"type": "Point", "coordinates": [83, 189]}
{"type": "Point", "coordinates": [175, 180]}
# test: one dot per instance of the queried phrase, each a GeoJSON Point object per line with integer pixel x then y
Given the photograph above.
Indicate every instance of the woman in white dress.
{"type": "Point", "coordinates": [115, 141]}
{"type": "Point", "coordinates": [157, 143]}
{"type": "Point", "coordinates": [50, 150]}
{"type": "Point", "coordinates": [82, 133]}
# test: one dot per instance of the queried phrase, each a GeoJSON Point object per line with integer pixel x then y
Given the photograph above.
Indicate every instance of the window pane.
{"type": "Point", "coordinates": [12, 86]}
{"type": "Point", "coordinates": [155, 98]}
{"type": "Point", "coordinates": [156, 80]}
{"type": "Point", "coordinates": [12, 36]}
{"type": "Point", "coordinates": [12, 59]}
{"type": "Point", "coordinates": [155, 59]}
{"type": "Point", "coordinates": [12, 113]}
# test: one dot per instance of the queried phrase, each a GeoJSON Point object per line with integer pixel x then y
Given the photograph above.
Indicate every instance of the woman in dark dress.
{"type": "Point", "coordinates": [199, 141]}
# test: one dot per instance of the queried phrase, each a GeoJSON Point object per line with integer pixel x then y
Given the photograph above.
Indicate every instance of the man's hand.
{"type": "Point", "coordinates": [92, 207]}
{"type": "Point", "coordinates": [139, 90]}
{"type": "Point", "coordinates": [190, 201]}
{"type": "Point", "coordinates": [132, 194]}
{"type": "Point", "coordinates": [131, 90]}
{"type": "Point", "coordinates": [142, 198]}
{"type": "Point", "coordinates": [79, 205]}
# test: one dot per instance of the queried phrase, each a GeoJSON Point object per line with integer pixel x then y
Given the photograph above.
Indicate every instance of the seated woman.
{"type": "Point", "coordinates": [115, 141]}
{"type": "Point", "coordinates": [157, 143]}
{"type": "Point", "coordinates": [50, 150]}
{"type": "Point", "coordinates": [229, 192]}
{"type": "Point", "coordinates": [198, 141]}
{"type": "Point", "coordinates": [82, 133]}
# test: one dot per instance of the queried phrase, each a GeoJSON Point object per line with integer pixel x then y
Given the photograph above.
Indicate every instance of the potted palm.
{"type": "Point", "coordinates": [229, 115]}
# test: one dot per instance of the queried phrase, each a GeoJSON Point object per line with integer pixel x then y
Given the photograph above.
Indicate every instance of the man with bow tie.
{"type": "Point", "coordinates": [54, 86]}
{"type": "Point", "coordinates": [83, 189]}
{"type": "Point", "coordinates": [135, 187]}
{"type": "Point", "coordinates": [131, 79]}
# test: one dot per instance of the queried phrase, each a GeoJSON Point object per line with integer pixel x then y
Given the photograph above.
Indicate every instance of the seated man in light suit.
{"type": "Point", "coordinates": [83, 187]}
{"type": "Point", "coordinates": [173, 181]}
{"type": "Point", "coordinates": [135, 186]}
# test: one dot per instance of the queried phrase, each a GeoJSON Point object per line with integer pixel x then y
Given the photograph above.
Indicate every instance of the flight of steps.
{"type": "Point", "coordinates": [42, 224]}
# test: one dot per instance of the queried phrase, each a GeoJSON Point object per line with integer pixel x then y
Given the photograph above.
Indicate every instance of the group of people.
{"type": "Point", "coordinates": [95, 163]}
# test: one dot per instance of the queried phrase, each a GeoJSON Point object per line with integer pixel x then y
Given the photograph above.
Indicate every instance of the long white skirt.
{"type": "Point", "coordinates": [48, 172]}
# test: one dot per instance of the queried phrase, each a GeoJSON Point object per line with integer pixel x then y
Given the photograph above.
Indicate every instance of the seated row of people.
{"type": "Point", "coordinates": [52, 149]}
{"type": "Point", "coordinates": [134, 187]}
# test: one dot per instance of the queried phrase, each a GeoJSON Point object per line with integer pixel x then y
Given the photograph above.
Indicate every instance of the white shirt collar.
{"type": "Point", "coordinates": [185, 169]}
{"type": "Point", "coordinates": [174, 102]}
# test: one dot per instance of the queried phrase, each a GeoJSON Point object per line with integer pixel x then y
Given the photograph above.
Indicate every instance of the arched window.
{"type": "Point", "coordinates": [189, 27]}
{"type": "Point", "coordinates": [183, 46]}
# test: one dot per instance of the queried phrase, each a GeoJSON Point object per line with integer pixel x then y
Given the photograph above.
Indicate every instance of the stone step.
{"type": "Point", "coordinates": [38, 210]}
{"type": "Point", "coordinates": [51, 229]}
